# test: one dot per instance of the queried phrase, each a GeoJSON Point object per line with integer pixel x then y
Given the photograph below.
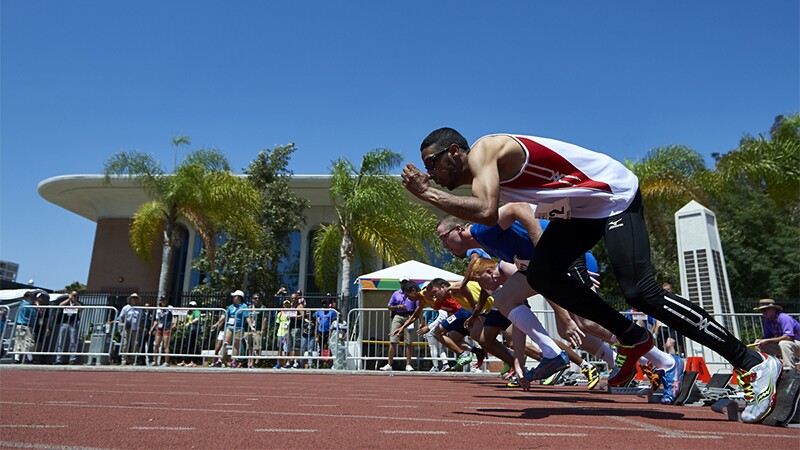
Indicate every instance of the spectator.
{"type": "Point", "coordinates": [129, 319]}
{"type": "Point", "coordinates": [282, 293]}
{"type": "Point", "coordinates": [191, 334]}
{"type": "Point", "coordinates": [300, 299]}
{"type": "Point", "coordinates": [323, 319]}
{"type": "Point", "coordinates": [70, 324]}
{"type": "Point", "coordinates": [146, 338]}
{"type": "Point", "coordinates": [42, 327]}
{"type": "Point", "coordinates": [256, 325]}
{"type": "Point", "coordinates": [3, 323]}
{"type": "Point", "coordinates": [236, 315]}
{"type": "Point", "coordinates": [780, 333]}
{"type": "Point", "coordinates": [401, 308]}
{"type": "Point", "coordinates": [162, 329]}
{"type": "Point", "coordinates": [433, 317]}
{"type": "Point", "coordinates": [306, 338]}
{"type": "Point", "coordinates": [23, 330]}
{"type": "Point", "coordinates": [282, 322]}
{"type": "Point", "coordinates": [294, 333]}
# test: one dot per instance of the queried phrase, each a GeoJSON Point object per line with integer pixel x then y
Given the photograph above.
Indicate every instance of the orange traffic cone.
{"type": "Point", "coordinates": [698, 364]}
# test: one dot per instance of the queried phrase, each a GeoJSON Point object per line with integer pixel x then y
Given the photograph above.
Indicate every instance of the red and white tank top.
{"type": "Point", "coordinates": [565, 180]}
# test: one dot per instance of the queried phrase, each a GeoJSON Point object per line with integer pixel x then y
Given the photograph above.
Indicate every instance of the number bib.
{"type": "Point", "coordinates": [556, 210]}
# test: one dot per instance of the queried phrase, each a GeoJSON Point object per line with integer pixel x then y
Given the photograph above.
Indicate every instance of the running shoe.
{"type": "Point", "coordinates": [434, 369]}
{"type": "Point", "coordinates": [627, 358]}
{"type": "Point", "coordinates": [445, 367]}
{"type": "Point", "coordinates": [386, 368]}
{"type": "Point", "coordinates": [513, 383]}
{"type": "Point", "coordinates": [592, 377]}
{"type": "Point", "coordinates": [551, 380]}
{"type": "Point", "coordinates": [759, 388]}
{"type": "Point", "coordinates": [672, 381]}
{"type": "Point", "coordinates": [409, 368]}
{"type": "Point", "coordinates": [547, 367]}
{"type": "Point", "coordinates": [461, 362]}
{"type": "Point", "coordinates": [165, 365]}
{"type": "Point", "coordinates": [277, 366]}
{"type": "Point", "coordinates": [181, 364]}
{"type": "Point", "coordinates": [234, 364]}
{"type": "Point", "coordinates": [652, 374]}
{"type": "Point", "coordinates": [481, 354]}
{"type": "Point", "coordinates": [217, 363]}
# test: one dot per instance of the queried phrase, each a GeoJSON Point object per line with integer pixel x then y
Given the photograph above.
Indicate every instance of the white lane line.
{"type": "Point", "coordinates": [314, 406]}
{"type": "Point", "coordinates": [284, 430]}
{"type": "Point", "coordinates": [674, 436]}
{"type": "Point", "coordinates": [32, 426]}
{"type": "Point", "coordinates": [554, 434]}
{"type": "Point", "coordinates": [412, 432]}
{"type": "Point", "coordinates": [396, 406]}
{"type": "Point", "coordinates": [57, 402]}
{"type": "Point", "coordinates": [149, 403]}
{"type": "Point", "coordinates": [43, 446]}
{"type": "Point", "coordinates": [252, 399]}
{"type": "Point", "coordinates": [227, 404]}
{"type": "Point", "coordinates": [162, 428]}
{"type": "Point", "coordinates": [438, 420]}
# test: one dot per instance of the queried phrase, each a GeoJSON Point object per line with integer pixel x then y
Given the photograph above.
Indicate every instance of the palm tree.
{"type": "Point", "coordinates": [669, 177]}
{"type": "Point", "coordinates": [375, 221]}
{"type": "Point", "coordinates": [202, 192]}
{"type": "Point", "coordinates": [770, 164]}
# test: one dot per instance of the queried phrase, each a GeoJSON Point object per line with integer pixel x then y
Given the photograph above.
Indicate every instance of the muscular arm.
{"type": "Point", "coordinates": [524, 214]}
{"type": "Point", "coordinates": [485, 158]}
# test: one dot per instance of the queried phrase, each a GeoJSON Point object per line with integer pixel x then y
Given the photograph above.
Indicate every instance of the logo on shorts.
{"type": "Point", "coordinates": [615, 224]}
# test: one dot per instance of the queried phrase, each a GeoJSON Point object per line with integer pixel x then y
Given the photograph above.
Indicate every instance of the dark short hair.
{"type": "Point", "coordinates": [444, 137]}
{"type": "Point", "coordinates": [438, 282]}
{"type": "Point", "coordinates": [407, 286]}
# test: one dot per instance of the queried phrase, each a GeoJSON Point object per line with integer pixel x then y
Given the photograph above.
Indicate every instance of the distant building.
{"type": "Point", "coordinates": [8, 271]}
{"type": "Point", "coordinates": [115, 268]}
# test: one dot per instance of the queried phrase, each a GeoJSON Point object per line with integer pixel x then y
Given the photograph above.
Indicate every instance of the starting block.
{"type": "Point", "coordinates": [787, 397]}
{"type": "Point", "coordinates": [727, 406]}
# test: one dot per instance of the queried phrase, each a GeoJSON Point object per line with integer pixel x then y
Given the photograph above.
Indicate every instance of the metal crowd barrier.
{"type": "Point", "coordinates": [369, 341]}
{"type": "Point", "coordinates": [159, 336]}
{"type": "Point", "coordinates": [289, 336]}
{"type": "Point", "coordinates": [6, 328]}
{"type": "Point", "coordinates": [62, 334]}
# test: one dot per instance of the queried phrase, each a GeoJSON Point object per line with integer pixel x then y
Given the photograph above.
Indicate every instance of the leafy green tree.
{"type": "Point", "coordinates": [241, 265]}
{"type": "Point", "coordinates": [202, 192]}
{"type": "Point", "coordinates": [759, 212]}
{"type": "Point", "coordinates": [75, 286]}
{"type": "Point", "coordinates": [669, 177]}
{"type": "Point", "coordinates": [769, 164]}
{"type": "Point", "coordinates": [375, 222]}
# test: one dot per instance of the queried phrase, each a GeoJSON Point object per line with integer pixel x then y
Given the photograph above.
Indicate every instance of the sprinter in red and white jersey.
{"type": "Point", "coordinates": [587, 196]}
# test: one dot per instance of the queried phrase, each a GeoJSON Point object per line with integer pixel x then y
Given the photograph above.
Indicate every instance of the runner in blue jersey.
{"type": "Point", "coordinates": [510, 240]}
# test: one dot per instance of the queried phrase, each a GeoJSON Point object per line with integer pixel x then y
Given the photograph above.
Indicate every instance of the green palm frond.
{"type": "Point", "coordinates": [146, 227]}
{"type": "Point", "coordinates": [326, 244]}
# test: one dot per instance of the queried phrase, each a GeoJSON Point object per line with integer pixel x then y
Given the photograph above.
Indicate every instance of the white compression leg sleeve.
{"type": "Point", "coordinates": [523, 318]}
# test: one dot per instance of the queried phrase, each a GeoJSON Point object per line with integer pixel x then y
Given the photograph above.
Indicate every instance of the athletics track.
{"type": "Point", "coordinates": [57, 407]}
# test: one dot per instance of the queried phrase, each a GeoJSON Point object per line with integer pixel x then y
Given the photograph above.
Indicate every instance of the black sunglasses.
{"type": "Point", "coordinates": [430, 162]}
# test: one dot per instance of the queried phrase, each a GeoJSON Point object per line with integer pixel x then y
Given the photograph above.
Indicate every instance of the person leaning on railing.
{"type": "Point", "coordinates": [70, 323]}
{"type": "Point", "coordinates": [23, 329]}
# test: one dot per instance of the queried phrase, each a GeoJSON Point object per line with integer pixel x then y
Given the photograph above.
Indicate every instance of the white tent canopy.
{"type": "Point", "coordinates": [389, 278]}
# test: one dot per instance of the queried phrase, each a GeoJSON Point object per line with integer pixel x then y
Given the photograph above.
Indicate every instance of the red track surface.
{"type": "Point", "coordinates": [199, 408]}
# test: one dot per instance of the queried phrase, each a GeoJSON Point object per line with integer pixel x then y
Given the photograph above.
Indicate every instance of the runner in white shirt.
{"type": "Point", "coordinates": [588, 196]}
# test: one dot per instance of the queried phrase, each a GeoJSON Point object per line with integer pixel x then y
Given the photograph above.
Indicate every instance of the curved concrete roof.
{"type": "Point", "coordinates": [91, 197]}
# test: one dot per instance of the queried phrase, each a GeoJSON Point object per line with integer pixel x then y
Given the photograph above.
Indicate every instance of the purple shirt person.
{"type": "Point", "coordinates": [782, 325]}
{"type": "Point", "coordinates": [400, 304]}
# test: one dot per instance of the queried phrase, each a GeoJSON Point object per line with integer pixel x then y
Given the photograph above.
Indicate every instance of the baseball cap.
{"type": "Point", "coordinates": [237, 292]}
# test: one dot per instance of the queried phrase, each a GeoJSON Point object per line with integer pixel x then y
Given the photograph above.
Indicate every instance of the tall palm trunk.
{"type": "Point", "coordinates": [171, 239]}
{"type": "Point", "coordinates": [346, 255]}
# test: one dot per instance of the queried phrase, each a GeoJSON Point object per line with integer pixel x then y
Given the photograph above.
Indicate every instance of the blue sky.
{"type": "Point", "coordinates": [81, 80]}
